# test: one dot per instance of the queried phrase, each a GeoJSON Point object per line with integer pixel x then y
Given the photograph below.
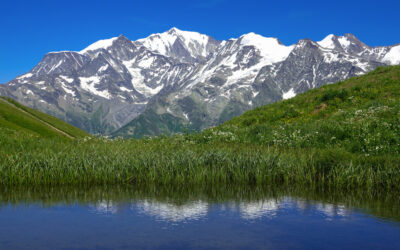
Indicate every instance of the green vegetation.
{"type": "Point", "coordinates": [150, 121]}
{"type": "Point", "coordinates": [345, 135]}
{"type": "Point", "coordinates": [19, 120]}
{"type": "Point", "coordinates": [360, 115]}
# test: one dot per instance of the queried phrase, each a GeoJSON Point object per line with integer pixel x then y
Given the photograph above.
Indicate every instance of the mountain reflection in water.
{"type": "Point", "coordinates": [219, 217]}
{"type": "Point", "coordinates": [196, 210]}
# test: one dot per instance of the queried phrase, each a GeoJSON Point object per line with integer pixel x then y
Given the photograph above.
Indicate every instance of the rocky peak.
{"type": "Point", "coordinates": [60, 62]}
{"type": "Point", "coordinates": [347, 43]}
{"type": "Point", "coordinates": [184, 46]}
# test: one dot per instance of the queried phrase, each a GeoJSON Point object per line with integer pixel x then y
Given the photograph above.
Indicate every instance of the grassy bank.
{"type": "Point", "coordinates": [17, 119]}
{"type": "Point", "coordinates": [180, 161]}
{"type": "Point", "coordinates": [345, 135]}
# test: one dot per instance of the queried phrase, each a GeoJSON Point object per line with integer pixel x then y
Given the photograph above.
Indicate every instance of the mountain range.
{"type": "Point", "coordinates": [179, 80]}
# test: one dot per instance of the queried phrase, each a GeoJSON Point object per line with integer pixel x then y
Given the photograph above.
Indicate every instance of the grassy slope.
{"type": "Point", "coordinates": [359, 115]}
{"type": "Point", "coordinates": [34, 123]}
{"type": "Point", "coordinates": [344, 135]}
{"type": "Point", "coordinates": [150, 124]}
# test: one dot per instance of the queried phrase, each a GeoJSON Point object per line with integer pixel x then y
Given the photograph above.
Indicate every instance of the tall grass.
{"type": "Point", "coordinates": [179, 161]}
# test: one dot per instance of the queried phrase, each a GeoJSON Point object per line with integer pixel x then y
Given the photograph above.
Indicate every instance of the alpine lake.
{"type": "Point", "coordinates": [192, 217]}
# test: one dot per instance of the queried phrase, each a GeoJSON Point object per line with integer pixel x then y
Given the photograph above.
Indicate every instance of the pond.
{"type": "Point", "coordinates": [127, 217]}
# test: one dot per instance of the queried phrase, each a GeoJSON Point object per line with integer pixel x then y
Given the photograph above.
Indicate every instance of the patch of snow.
{"type": "Point", "coordinates": [344, 42]}
{"type": "Point", "coordinates": [62, 51]}
{"type": "Point", "coordinates": [270, 49]}
{"type": "Point", "coordinates": [162, 43]}
{"type": "Point", "coordinates": [327, 42]}
{"type": "Point", "coordinates": [363, 65]}
{"type": "Point", "coordinates": [89, 80]}
{"type": "Point", "coordinates": [314, 76]}
{"type": "Point", "coordinates": [245, 86]}
{"type": "Point", "coordinates": [25, 76]}
{"type": "Point", "coordinates": [186, 116]}
{"type": "Point", "coordinates": [289, 94]}
{"type": "Point", "coordinates": [246, 75]}
{"type": "Point", "coordinates": [393, 56]}
{"type": "Point", "coordinates": [138, 81]}
{"type": "Point", "coordinates": [158, 43]}
{"type": "Point", "coordinates": [116, 66]}
{"type": "Point", "coordinates": [195, 42]}
{"type": "Point", "coordinates": [225, 94]}
{"type": "Point", "coordinates": [88, 84]}
{"type": "Point", "coordinates": [101, 44]}
{"type": "Point", "coordinates": [56, 66]}
{"type": "Point", "coordinates": [146, 62]}
{"type": "Point", "coordinates": [125, 89]}
{"type": "Point", "coordinates": [140, 103]}
{"type": "Point", "coordinates": [103, 68]}
{"type": "Point", "coordinates": [29, 92]}
{"type": "Point", "coordinates": [40, 83]}
{"type": "Point", "coordinates": [67, 90]}
{"type": "Point", "coordinates": [67, 79]}
{"type": "Point", "coordinates": [330, 57]}
{"type": "Point", "coordinates": [380, 52]}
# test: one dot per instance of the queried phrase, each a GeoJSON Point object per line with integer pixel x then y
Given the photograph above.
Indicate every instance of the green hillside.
{"type": "Point", "coordinates": [20, 120]}
{"type": "Point", "coordinates": [344, 135]}
{"type": "Point", "coordinates": [359, 115]}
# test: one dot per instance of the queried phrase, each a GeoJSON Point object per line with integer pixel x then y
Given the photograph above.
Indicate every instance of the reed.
{"type": "Point", "coordinates": [178, 161]}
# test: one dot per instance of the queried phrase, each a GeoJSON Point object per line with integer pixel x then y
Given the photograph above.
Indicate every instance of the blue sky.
{"type": "Point", "coordinates": [30, 29]}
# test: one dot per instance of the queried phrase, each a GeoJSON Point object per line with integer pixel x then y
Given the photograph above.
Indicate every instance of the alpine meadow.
{"type": "Point", "coordinates": [344, 135]}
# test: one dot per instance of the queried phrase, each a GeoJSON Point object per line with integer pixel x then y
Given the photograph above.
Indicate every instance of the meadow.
{"type": "Point", "coordinates": [344, 135]}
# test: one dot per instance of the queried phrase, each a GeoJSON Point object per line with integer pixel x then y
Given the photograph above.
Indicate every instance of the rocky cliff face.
{"type": "Point", "coordinates": [181, 80]}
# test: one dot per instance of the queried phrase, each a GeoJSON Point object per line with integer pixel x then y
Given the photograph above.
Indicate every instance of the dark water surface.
{"type": "Point", "coordinates": [197, 218]}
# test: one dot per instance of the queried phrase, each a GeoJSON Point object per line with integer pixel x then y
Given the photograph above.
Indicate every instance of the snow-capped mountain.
{"type": "Point", "coordinates": [178, 79]}
{"type": "Point", "coordinates": [183, 46]}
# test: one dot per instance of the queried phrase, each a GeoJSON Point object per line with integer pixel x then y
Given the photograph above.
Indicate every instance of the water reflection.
{"type": "Point", "coordinates": [260, 209]}
{"type": "Point", "coordinates": [171, 212]}
{"type": "Point", "coordinates": [194, 203]}
{"type": "Point", "coordinates": [330, 210]}
{"type": "Point", "coordinates": [196, 210]}
{"type": "Point", "coordinates": [128, 217]}
{"type": "Point", "coordinates": [255, 210]}
{"type": "Point", "coordinates": [104, 207]}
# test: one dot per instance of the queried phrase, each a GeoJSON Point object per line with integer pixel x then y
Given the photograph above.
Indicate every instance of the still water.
{"type": "Point", "coordinates": [197, 218]}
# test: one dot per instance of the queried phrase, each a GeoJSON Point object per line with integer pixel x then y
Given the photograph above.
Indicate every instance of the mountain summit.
{"type": "Point", "coordinates": [178, 79]}
{"type": "Point", "coordinates": [183, 46]}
